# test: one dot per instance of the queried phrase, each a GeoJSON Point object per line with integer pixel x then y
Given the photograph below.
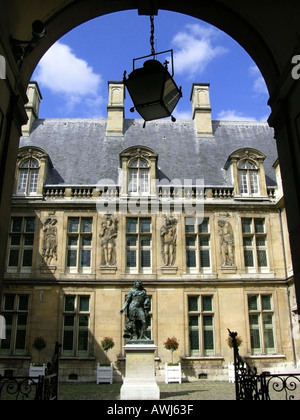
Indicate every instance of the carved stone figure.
{"type": "Point", "coordinates": [168, 233]}
{"type": "Point", "coordinates": [226, 243]}
{"type": "Point", "coordinates": [137, 305]}
{"type": "Point", "coordinates": [108, 234]}
{"type": "Point", "coordinates": [50, 241]}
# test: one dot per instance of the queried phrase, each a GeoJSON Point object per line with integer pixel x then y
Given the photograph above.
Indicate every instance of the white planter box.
{"type": "Point", "coordinates": [36, 371]}
{"type": "Point", "coordinates": [104, 374]}
{"type": "Point", "coordinates": [172, 373]}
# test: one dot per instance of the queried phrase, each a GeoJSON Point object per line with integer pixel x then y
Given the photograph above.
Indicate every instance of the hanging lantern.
{"type": "Point", "coordinates": [152, 89]}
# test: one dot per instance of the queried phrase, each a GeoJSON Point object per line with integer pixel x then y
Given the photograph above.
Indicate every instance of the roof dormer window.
{"type": "Point", "coordinates": [248, 178]}
{"type": "Point", "coordinates": [28, 177]}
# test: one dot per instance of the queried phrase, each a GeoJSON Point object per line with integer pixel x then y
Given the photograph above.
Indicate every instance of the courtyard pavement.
{"type": "Point", "coordinates": [186, 391]}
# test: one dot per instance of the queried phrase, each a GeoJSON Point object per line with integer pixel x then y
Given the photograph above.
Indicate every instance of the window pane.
{"type": "Point", "coordinates": [33, 181]}
{"type": "Point", "coordinates": [193, 304]}
{"type": "Point", "coordinates": [13, 260]}
{"type": "Point", "coordinates": [208, 337]}
{"type": "Point", "coordinates": [23, 303]}
{"type": "Point", "coordinates": [145, 258]}
{"type": "Point", "coordinates": [69, 304]}
{"type": "Point", "coordinates": [86, 240]}
{"type": "Point", "coordinates": [194, 340]}
{"type": "Point", "coordinates": [28, 240]}
{"type": "Point", "coordinates": [247, 225]}
{"type": "Point", "coordinates": [146, 241]}
{"type": "Point", "coordinates": [145, 225]}
{"type": "Point", "coordinates": [69, 321]}
{"type": "Point", "coordinates": [254, 182]}
{"type": "Point", "coordinates": [29, 224]}
{"type": "Point", "coordinates": [203, 227]}
{"type": "Point", "coordinates": [84, 303]}
{"type": "Point", "coordinates": [261, 241]}
{"type": "Point", "coordinates": [27, 258]}
{"type": "Point", "coordinates": [131, 240]}
{"type": "Point", "coordinates": [262, 258]}
{"type": "Point", "coordinates": [144, 181]}
{"type": "Point", "coordinates": [73, 224]}
{"type": "Point", "coordinates": [73, 240]}
{"type": "Point", "coordinates": [85, 258]}
{"type": "Point", "coordinates": [249, 261]}
{"type": "Point", "coordinates": [15, 239]}
{"type": "Point", "coordinates": [72, 258]}
{"type": "Point", "coordinates": [191, 241]}
{"type": "Point", "coordinates": [23, 176]}
{"type": "Point", "coordinates": [259, 225]}
{"type": "Point", "coordinates": [191, 258]}
{"type": "Point", "coordinates": [207, 304]}
{"type": "Point", "coordinates": [252, 303]}
{"type": "Point", "coordinates": [247, 241]}
{"type": "Point", "coordinates": [9, 302]}
{"type": "Point", "coordinates": [86, 225]}
{"type": "Point", "coordinates": [68, 340]}
{"type": "Point", "coordinates": [204, 241]}
{"type": "Point", "coordinates": [204, 258]}
{"type": "Point", "coordinates": [131, 225]}
{"type": "Point", "coordinates": [189, 225]}
{"type": "Point", "coordinates": [266, 302]}
{"type": "Point", "coordinates": [16, 225]}
{"type": "Point", "coordinates": [243, 182]}
{"type": "Point", "coordinates": [131, 258]}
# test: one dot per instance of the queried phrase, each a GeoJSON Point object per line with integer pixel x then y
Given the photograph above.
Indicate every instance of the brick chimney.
{"type": "Point", "coordinates": [32, 107]}
{"type": "Point", "coordinates": [201, 109]}
{"type": "Point", "coordinates": [115, 109]}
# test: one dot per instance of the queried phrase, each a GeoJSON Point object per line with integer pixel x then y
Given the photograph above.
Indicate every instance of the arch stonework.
{"type": "Point", "coordinates": [268, 30]}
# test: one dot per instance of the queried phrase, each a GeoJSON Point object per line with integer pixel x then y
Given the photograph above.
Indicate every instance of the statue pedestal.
{"type": "Point", "coordinates": [139, 382]}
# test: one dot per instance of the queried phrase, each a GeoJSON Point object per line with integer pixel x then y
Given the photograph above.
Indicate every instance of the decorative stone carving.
{"type": "Point", "coordinates": [226, 243]}
{"type": "Point", "coordinates": [168, 234]}
{"type": "Point", "coordinates": [49, 241]}
{"type": "Point", "coordinates": [108, 235]}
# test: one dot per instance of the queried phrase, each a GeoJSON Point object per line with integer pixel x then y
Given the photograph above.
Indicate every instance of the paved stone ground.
{"type": "Point", "coordinates": [198, 390]}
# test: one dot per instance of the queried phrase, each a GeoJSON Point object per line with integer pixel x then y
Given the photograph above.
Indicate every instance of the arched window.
{"type": "Point", "coordinates": [138, 176]}
{"type": "Point", "coordinates": [248, 178]}
{"type": "Point", "coordinates": [28, 177]}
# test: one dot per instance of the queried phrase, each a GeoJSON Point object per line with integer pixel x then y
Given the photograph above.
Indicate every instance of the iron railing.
{"type": "Point", "coordinates": [249, 385]}
{"type": "Point", "coordinates": [33, 388]}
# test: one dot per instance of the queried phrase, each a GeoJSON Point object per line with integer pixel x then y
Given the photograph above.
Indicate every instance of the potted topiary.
{"type": "Point", "coordinates": [105, 371]}
{"type": "Point", "coordinates": [37, 369]}
{"type": "Point", "coordinates": [172, 370]}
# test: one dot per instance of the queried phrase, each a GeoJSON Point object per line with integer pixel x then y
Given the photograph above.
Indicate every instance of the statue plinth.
{"type": "Point", "coordinates": [139, 382]}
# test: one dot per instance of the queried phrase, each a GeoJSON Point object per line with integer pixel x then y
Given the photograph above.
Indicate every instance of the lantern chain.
{"type": "Point", "coordinates": [152, 35]}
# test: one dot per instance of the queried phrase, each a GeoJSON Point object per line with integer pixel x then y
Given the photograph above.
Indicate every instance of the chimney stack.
{"type": "Point", "coordinates": [201, 109]}
{"type": "Point", "coordinates": [115, 109]}
{"type": "Point", "coordinates": [32, 107]}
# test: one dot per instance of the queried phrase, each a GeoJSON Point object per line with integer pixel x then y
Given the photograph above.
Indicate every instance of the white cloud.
{"type": "Point", "coordinates": [233, 115]}
{"type": "Point", "coordinates": [194, 49]}
{"type": "Point", "coordinates": [65, 74]}
{"type": "Point", "coordinates": [259, 84]}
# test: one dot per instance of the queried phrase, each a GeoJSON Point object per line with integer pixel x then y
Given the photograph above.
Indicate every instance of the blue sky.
{"type": "Point", "coordinates": [74, 72]}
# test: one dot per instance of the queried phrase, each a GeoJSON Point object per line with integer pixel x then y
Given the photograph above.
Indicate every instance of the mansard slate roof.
{"type": "Point", "coordinates": [82, 154]}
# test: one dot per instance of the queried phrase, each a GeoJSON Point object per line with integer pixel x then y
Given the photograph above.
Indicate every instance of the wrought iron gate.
{"type": "Point", "coordinates": [249, 385]}
{"type": "Point", "coordinates": [32, 388]}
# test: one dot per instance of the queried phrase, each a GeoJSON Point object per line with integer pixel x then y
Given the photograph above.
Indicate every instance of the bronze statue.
{"type": "Point", "coordinates": [137, 304]}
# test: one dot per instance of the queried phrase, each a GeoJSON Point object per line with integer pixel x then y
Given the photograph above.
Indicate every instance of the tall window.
{"type": "Point", "coordinates": [139, 244]}
{"type": "Point", "coordinates": [15, 312]}
{"type": "Point", "coordinates": [261, 324]}
{"type": "Point", "coordinates": [255, 244]}
{"type": "Point", "coordinates": [248, 178]}
{"type": "Point", "coordinates": [138, 177]}
{"type": "Point", "coordinates": [201, 325]}
{"type": "Point", "coordinates": [76, 320]}
{"type": "Point", "coordinates": [20, 247]}
{"type": "Point", "coordinates": [197, 245]}
{"type": "Point", "coordinates": [28, 177]}
{"type": "Point", "coordinates": [79, 244]}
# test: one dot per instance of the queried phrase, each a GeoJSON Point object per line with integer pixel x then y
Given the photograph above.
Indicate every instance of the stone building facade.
{"type": "Point", "coordinates": [194, 209]}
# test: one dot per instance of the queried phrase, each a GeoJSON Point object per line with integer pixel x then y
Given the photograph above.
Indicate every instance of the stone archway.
{"type": "Point", "coordinates": [267, 30]}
